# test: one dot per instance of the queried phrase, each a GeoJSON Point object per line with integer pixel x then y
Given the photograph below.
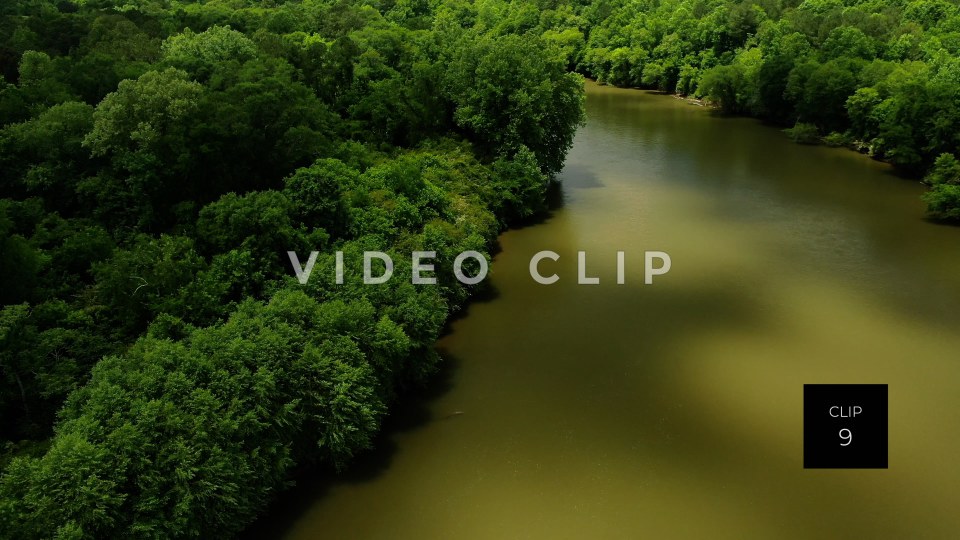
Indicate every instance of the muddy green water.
{"type": "Point", "coordinates": [674, 410]}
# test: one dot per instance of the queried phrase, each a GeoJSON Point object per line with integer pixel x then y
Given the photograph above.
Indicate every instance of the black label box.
{"type": "Point", "coordinates": [845, 426]}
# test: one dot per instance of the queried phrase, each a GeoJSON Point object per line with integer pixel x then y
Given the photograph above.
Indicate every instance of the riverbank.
{"type": "Point", "coordinates": [800, 133]}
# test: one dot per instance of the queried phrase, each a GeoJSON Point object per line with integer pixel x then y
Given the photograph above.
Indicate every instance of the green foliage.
{"type": "Point", "coordinates": [825, 93]}
{"type": "Point", "coordinates": [850, 42]}
{"type": "Point", "coordinates": [488, 80]}
{"type": "Point", "coordinates": [162, 374]}
{"type": "Point", "coordinates": [257, 220]}
{"type": "Point", "coordinates": [521, 186]}
{"type": "Point", "coordinates": [943, 199]}
{"type": "Point", "coordinates": [723, 85]}
{"type": "Point", "coordinates": [803, 133]}
{"type": "Point", "coordinates": [143, 123]}
{"type": "Point", "coordinates": [147, 279]}
{"type": "Point", "coordinates": [45, 156]}
{"type": "Point", "coordinates": [215, 49]}
{"type": "Point", "coordinates": [943, 202]}
{"type": "Point", "coordinates": [143, 130]}
{"type": "Point", "coordinates": [208, 427]}
{"type": "Point", "coordinates": [317, 194]}
{"type": "Point", "coordinates": [946, 170]}
{"type": "Point", "coordinates": [41, 81]}
{"type": "Point", "coordinates": [836, 139]}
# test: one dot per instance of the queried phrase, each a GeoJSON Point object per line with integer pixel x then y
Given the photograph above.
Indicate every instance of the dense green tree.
{"type": "Point", "coordinates": [521, 187]}
{"type": "Point", "coordinates": [143, 129]}
{"type": "Point", "coordinates": [488, 81]}
{"type": "Point", "coordinates": [213, 50]}
{"type": "Point", "coordinates": [943, 199]}
{"type": "Point", "coordinates": [45, 156]}
{"type": "Point", "coordinates": [825, 93]}
{"type": "Point", "coordinates": [724, 85]}
{"type": "Point", "coordinates": [183, 438]}
{"type": "Point", "coordinates": [257, 126]}
{"type": "Point", "coordinates": [147, 279]}
{"type": "Point", "coordinates": [260, 223]}
{"type": "Point", "coordinates": [317, 194]}
{"type": "Point", "coordinates": [41, 80]}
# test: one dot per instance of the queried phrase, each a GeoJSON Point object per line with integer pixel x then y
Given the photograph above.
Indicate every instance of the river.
{"type": "Point", "coordinates": [674, 410]}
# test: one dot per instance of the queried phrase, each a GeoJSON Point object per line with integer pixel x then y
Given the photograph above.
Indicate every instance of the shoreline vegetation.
{"type": "Point", "coordinates": [878, 76]}
{"type": "Point", "coordinates": [803, 135]}
{"type": "Point", "coordinates": [693, 101]}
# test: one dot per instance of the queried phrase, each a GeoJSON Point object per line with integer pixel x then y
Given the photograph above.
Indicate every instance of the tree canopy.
{"type": "Point", "coordinates": [162, 371]}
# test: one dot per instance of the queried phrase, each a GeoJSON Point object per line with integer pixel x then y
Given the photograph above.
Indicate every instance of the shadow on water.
{"type": "Point", "coordinates": [485, 292]}
{"type": "Point", "coordinates": [555, 199]}
{"type": "Point", "coordinates": [409, 413]}
{"type": "Point", "coordinates": [577, 176]}
{"type": "Point", "coordinates": [946, 224]}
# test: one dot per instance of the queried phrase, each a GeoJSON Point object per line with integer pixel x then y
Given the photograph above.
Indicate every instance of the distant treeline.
{"type": "Point", "coordinates": [881, 76]}
{"type": "Point", "coordinates": [161, 370]}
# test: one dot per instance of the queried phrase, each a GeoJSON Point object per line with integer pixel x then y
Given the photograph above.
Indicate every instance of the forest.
{"type": "Point", "coordinates": [163, 373]}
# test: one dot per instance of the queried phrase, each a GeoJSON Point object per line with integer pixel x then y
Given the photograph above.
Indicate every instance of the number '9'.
{"type": "Point", "coordinates": [847, 436]}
